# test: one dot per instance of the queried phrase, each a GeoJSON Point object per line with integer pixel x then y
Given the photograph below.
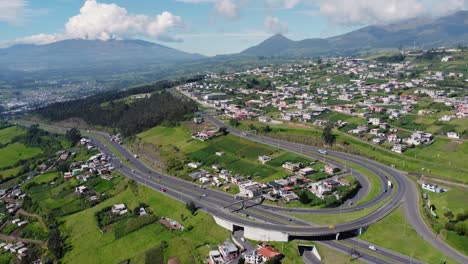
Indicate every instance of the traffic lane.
{"type": "Point", "coordinates": [363, 256]}
{"type": "Point", "coordinates": [384, 252]}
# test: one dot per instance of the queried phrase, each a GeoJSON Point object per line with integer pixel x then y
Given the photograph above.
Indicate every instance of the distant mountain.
{"type": "Point", "coordinates": [446, 31]}
{"type": "Point", "coordinates": [78, 53]}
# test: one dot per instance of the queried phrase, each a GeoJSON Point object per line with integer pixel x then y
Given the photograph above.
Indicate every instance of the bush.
{"type": "Point", "coordinates": [133, 224]}
{"type": "Point", "coordinates": [154, 255]}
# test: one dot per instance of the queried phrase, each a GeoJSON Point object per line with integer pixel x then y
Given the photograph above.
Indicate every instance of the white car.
{"type": "Point", "coordinates": [371, 247]}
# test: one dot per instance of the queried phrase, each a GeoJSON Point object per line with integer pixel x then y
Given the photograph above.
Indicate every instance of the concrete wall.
{"type": "Point", "coordinates": [261, 234]}
{"type": "Point", "coordinates": [223, 223]}
{"type": "Point", "coordinates": [254, 233]}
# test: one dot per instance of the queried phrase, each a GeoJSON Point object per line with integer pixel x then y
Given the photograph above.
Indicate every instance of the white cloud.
{"type": "Point", "coordinates": [288, 4]}
{"type": "Point", "coordinates": [228, 8]}
{"type": "Point", "coordinates": [105, 21]}
{"type": "Point", "coordinates": [12, 11]}
{"type": "Point", "coordinates": [361, 12]}
{"type": "Point", "coordinates": [275, 26]}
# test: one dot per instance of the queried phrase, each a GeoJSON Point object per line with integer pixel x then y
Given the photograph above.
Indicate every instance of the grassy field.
{"type": "Point", "coordinates": [10, 173]}
{"type": "Point", "coordinates": [455, 201]}
{"type": "Point", "coordinates": [241, 156]}
{"type": "Point", "coordinates": [46, 177]}
{"type": "Point", "coordinates": [395, 233]}
{"type": "Point", "coordinates": [15, 152]}
{"type": "Point", "coordinates": [332, 256]}
{"type": "Point", "coordinates": [7, 134]}
{"type": "Point", "coordinates": [89, 245]}
{"type": "Point", "coordinates": [333, 219]}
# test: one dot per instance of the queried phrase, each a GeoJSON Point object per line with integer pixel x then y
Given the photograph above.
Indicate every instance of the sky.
{"type": "Point", "coordinates": [208, 27]}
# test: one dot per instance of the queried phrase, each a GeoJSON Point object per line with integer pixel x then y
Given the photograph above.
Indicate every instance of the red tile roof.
{"type": "Point", "coordinates": [268, 252]}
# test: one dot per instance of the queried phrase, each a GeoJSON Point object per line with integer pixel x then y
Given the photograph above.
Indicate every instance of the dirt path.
{"type": "Point", "coordinates": [18, 239]}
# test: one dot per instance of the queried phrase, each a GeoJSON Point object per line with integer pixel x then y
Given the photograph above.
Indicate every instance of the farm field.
{"type": "Point", "coordinates": [7, 134]}
{"type": "Point", "coordinates": [89, 245]}
{"type": "Point", "coordinates": [241, 156]}
{"type": "Point", "coordinates": [15, 152]}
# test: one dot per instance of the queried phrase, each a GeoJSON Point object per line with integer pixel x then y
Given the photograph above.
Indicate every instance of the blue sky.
{"type": "Point", "coordinates": [209, 27]}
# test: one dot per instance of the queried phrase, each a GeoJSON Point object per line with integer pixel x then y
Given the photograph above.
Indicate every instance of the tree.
{"type": "Point", "coordinates": [55, 243]}
{"type": "Point", "coordinates": [223, 130]}
{"type": "Point", "coordinates": [241, 260]}
{"type": "Point", "coordinates": [252, 127]}
{"type": "Point", "coordinates": [234, 122]}
{"type": "Point", "coordinates": [304, 198]}
{"type": "Point", "coordinates": [327, 135]}
{"type": "Point", "coordinates": [73, 135]}
{"type": "Point", "coordinates": [274, 260]}
{"type": "Point", "coordinates": [191, 207]}
{"type": "Point", "coordinates": [462, 216]}
{"type": "Point", "coordinates": [449, 215]}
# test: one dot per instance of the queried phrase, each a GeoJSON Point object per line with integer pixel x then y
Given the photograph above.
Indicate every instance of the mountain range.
{"type": "Point", "coordinates": [422, 33]}
{"type": "Point", "coordinates": [128, 55]}
{"type": "Point", "coordinates": [79, 53]}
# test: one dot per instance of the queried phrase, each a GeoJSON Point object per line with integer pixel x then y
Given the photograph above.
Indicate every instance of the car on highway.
{"type": "Point", "coordinates": [331, 227]}
{"type": "Point", "coordinates": [162, 189]}
{"type": "Point", "coordinates": [372, 247]}
{"type": "Point", "coordinates": [322, 151]}
{"type": "Point", "coordinates": [204, 195]}
{"type": "Point", "coordinates": [133, 170]}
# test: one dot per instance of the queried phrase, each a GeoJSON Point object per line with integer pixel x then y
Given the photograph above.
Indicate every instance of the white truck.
{"type": "Point", "coordinates": [389, 184]}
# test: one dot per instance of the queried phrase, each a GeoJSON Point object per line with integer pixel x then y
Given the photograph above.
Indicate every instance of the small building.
{"type": "Point", "coordinates": [306, 171]}
{"type": "Point", "coordinates": [399, 148]}
{"type": "Point", "coordinates": [330, 169]}
{"type": "Point", "coordinates": [264, 159]}
{"type": "Point", "coordinates": [432, 187]}
{"type": "Point", "coordinates": [453, 135]}
{"type": "Point", "coordinates": [194, 165]}
{"type": "Point", "coordinates": [228, 251]}
{"type": "Point", "coordinates": [268, 252]}
{"type": "Point", "coordinates": [119, 209]}
{"type": "Point", "coordinates": [250, 189]}
{"type": "Point", "coordinates": [292, 167]}
{"type": "Point", "coordinates": [253, 258]}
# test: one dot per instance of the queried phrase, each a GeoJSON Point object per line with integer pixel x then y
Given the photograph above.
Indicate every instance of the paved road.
{"type": "Point", "coordinates": [212, 201]}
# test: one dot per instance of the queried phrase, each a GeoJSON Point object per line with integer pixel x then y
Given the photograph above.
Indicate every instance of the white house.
{"type": "Point", "coordinates": [264, 159]}
{"type": "Point", "coordinates": [432, 188]}
{"type": "Point", "coordinates": [453, 135]}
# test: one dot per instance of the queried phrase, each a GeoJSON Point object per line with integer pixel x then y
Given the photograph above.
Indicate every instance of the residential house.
{"type": "Point", "coordinates": [292, 167]}
{"type": "Point", "coordinates": [250, 189]}
{"type": "Point", "coordinates": [264, 159]}
{"type": "Point", "coordinates": [431, 187]}
{"type": "Point", "coordinates": [330, 169]}
{"type": "Point", "coordinates": [268, 252]}
{"type": "Point", "coordinates": [119, 209]}
{"type": "Point", "coordinates": [228, 251]}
